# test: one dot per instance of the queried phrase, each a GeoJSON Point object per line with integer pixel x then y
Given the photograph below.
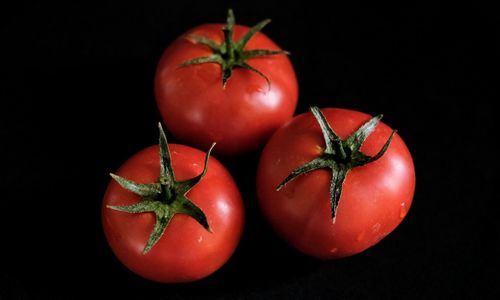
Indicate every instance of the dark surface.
{"type": "Point", "coordinates": [77, 100]}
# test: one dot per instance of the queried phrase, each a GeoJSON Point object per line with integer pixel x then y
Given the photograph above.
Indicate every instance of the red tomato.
{"type": "Point", "coordinates": [374, 200]}
{"type": "Point", "coordinates": [186, 251]}
{"type": "Point", "coordinates": [241, 116]}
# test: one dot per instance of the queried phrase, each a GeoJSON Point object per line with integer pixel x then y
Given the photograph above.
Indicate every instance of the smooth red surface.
{"type": "Point", "coordinates": [240, 117]}
{"type": "Point", "coordinates": [375, 197]}
{"type": "Point", "coordinates": [186, 251]}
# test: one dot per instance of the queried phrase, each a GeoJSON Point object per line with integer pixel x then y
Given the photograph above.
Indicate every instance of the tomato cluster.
{"type": "Point", "coordinates": [331, 182]}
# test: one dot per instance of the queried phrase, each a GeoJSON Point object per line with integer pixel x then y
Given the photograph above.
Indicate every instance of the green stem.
{"type": "Point", "coordinates": [340, 156]}
{"type": "Point", "coordinates": [231, 54]}
{"type": "Point", "coordinates": [166, 197]}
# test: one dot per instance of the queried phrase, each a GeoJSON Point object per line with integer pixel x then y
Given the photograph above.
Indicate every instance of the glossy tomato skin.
{"type": "Point", "coordinates": [186, 251]}
{"type": "Point", "coordinates": [198, 110]}
{"type": "Point", "coordinates": [375, 197]}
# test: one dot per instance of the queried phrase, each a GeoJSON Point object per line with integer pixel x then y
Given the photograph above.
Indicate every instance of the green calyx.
{"type": "Point", "coordinates": [166, 197]}
{"type": "Point", "coordinates": [231, 54]}
{"type": "Point", "coordinates": [340, 156]}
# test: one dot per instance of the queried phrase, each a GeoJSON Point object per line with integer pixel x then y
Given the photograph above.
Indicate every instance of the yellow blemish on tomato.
{"type": "Point", "coordinates": [403, 210]}
{"type": "Point", "coordinates": [334, 249]}
{"type": "Point", "coordinates": [361, 236]}
{"type": "Point", "coordinates": [319, 149]}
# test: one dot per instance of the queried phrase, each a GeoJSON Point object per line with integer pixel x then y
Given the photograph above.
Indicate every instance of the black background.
{"type": "Point", "coordinates": [77, 100]}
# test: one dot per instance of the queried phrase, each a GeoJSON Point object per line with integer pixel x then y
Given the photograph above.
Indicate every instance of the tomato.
{"type": "Point", "coordinates": [199, 105]}
{"type": "Point", "coordinates": [199, 237]}
{"type": "Point", "coordinates": [374, 195]}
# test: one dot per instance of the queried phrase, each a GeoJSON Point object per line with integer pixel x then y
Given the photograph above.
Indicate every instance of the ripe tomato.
{"type": "Point", "coordinates": [186, 251]}
{"type": "Point", "coordinates": [198, 107]}
{"type": "Point", "coordinates": [374, 197]}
